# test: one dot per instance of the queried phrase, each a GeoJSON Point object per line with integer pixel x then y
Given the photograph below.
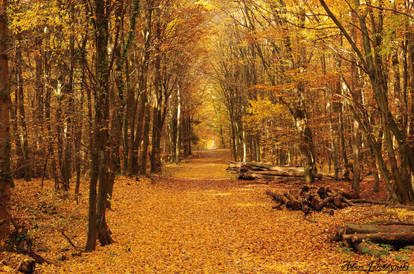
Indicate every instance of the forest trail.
{"type": "Point", "coordinates": [212, 224]}
{"type": "Point", "coordinates": [194, 218]}
{"type": "Point", "coordinates": [205, 164]}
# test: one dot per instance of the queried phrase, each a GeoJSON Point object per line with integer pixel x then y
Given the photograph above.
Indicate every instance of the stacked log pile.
{"type": "Point", "coordinates": [255, 170]}
{"type": "Point", "coordinates": [311, 198]}
{"type": "Point", "coordinates": [394, 233]}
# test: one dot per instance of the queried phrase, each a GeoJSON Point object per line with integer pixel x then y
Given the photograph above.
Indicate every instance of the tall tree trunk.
{"type": "Point", "coordinates": [143, 78]}
{"type": "Point", "coordinates": [50, 139]}
{"type": "Point", "coordinates": [356, 134]}
{"type": "Point", "coordinates": [93, 154]}
{"type": "Point", "coordinates": [117, 98]}
{"type": "Point", "coordinates": [40, 145]}
{"type": "Point", "coordinates": [59, 185]}
{"type": "Point", "coordinates": [19, 172]}
{"type": "Point", "coordinates": [78, 140]}
{"type": "Point", "coordinates": [178, 127]}
{"type": "Point", "coordinates": [22, 115]}
{"type": "Point", "coordinates": [97, 226]}
{"type": "Point", "coordinates": [69, 110]}
{"type": "Point", "coordinates": [131, 117]}
{"type": "Point", "coordinates": [5, 176]}
{"type": "Point", "coordinates": [156, 115]}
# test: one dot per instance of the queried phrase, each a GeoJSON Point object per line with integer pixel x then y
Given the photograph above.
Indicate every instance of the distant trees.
{"type": "Point", "coordinates": [281, 64]}
{"type": "Point", "coordinates": [319, 89]}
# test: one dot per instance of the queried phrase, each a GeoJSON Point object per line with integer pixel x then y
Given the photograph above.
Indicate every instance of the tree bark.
{"type": "Point", "coordinates": [144, 154]}
{"type": "Point", "coordinates": [5, 176]}
{"type": "Point", "coordinates": [97, 226]}
{"type": "Point", "coordinates": [178, 128]}
{"type": "Point", "coordinates": [22, 115]}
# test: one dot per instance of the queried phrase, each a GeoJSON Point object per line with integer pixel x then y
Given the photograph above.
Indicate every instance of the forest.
{"type": "Point", "coordinates": [158, 136]}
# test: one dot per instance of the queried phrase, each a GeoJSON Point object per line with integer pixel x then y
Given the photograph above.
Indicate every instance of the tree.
{"type": "Point", "coordinates": [100, 152]}
{"type": "Point", "coordinates": [5, 176]}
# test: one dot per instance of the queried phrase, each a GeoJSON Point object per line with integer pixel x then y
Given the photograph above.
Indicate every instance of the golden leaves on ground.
{"type": "Point", "coordinates": [190, 225]}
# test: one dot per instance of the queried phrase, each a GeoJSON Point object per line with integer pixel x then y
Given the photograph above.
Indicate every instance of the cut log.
{"type": "Point", "coordinates": [315, 202]}
{"type": "Point", "coordinates": [256, 170]}
{"type": "Point", "coordinates": [375, 228]}
{"type": "Point", "coordinates": [279, 199]}
{"type": "Point", "coordinates": [388, 222]}
{"type": "Point", "coordinates": [310, 198]}
{"type": "Point", "coordinates": [397, 234]}
{"type": "Point", "coordinates": [279, 173]}
{"type": "Point", "coordinates": [387, 238]}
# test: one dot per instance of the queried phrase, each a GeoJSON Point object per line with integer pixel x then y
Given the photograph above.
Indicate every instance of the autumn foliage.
{"type": "Point", "coordinates": [118, 119]}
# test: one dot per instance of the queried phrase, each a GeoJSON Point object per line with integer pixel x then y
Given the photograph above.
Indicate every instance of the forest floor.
{"type": "Point", "coordinates": [193, 218]}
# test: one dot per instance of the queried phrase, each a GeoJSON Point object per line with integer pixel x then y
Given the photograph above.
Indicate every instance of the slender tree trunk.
{"type": "Point", "coordinates": [59, 132]}
{"type": "Point", "coordinates": [356, 146]}
{"type": "Point", "coordinates": [156, 115]}
{"type": "Point", "coordinates": [41, 149]}
{"type": "Point", "coordinates": [22, 115]}
{"type": "Point", "coordinates": [19, 172]}
{"type": "Point", "coordinates": [233, 140]}
{"type": "Point", "coordinates": [356, 134]}
{"type": "Point", "coordinates": [50, 139]}
{"type": "Point", "coordinates": [190, 135]}
{"type": "Point", "coordinates": [131, 112]}
{"type": "Point", "coordinates": [78, 140]}
{"type": "Point", "coordinates": [171, 132]}
{"type": "Point", "coordinates": [145, 144]}
{"type": "Point", "coordinates": [70, 109]}
{"type": "Point", "coordinates": [341, 133]}
{"type": "Point", "coordinates": [156, 139]}
{"type": "Point", "coordinates": [178, 128]}
{"type": "Point", "coordinates": [126, 122]}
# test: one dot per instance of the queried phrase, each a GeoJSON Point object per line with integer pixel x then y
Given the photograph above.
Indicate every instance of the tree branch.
{"type": "Point", "coordinates": [346, 34]}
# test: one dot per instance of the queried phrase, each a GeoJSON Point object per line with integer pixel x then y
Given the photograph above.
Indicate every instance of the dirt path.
{"type": "Point", "coordinates": [197, 220]}
{"type": "Point", "coordinates": [201, 165]}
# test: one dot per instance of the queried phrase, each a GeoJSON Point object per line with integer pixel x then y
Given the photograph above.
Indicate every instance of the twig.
{"type": "Point", "coordinates": [69, 240]}
{"type": "Point", "coordinates": [310, 220]}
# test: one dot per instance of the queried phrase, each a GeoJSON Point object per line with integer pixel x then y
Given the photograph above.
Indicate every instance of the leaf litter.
{"type": "Point", "coordinates": [212, 225]}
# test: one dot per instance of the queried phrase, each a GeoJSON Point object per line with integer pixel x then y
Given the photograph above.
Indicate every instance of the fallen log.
{"type": "Point", "coordinates": [397, 234]}
{"type": "Point", "coordinates": [279, 199]}
{"type": "Point", "coordinates": [310, 198]}
{"type": "Point", "coordinates": [377, 228]}
{"type": "Point", "coordinates": [388, 222]}
{"type": "Point", "coordinates": [278, 173]}
{"type": "Point", "coordinates": [256, 170]}
{"type": "Point", "coordinates": [382, 237]}
{"type": "Point", "coordinates": [361, 201]}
